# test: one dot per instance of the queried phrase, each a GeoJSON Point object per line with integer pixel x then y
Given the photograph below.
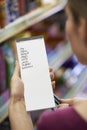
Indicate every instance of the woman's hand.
{"type": "Point", "coordinates": [52, 77]}
{"type": "Point", "coordinates": [19, 119]}
{"type": "Point", "coordinates": [71, 102]}
{"type": "Point", "coordinates": [17, 86]}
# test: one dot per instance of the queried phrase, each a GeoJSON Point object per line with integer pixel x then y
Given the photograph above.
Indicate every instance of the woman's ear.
{"type": "Point", "coordinates": [82, 28]}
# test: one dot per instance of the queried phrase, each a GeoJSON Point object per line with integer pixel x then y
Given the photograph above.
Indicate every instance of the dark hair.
{"type": "Point", "coordinates": [78, 9]}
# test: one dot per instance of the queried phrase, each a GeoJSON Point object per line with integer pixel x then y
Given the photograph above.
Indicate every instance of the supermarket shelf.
{"type": "Point", "coordinates": [61, 56]}
{"type": "Point", "coordinates": [79, 85]}
{"type": "Point", "coordinates": [4, 111]}
{"type": "Point", "coordinates": [30, 19]}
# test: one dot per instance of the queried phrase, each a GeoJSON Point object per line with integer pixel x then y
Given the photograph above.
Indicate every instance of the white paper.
{"type": "Point", "coordinates": [35, 74]}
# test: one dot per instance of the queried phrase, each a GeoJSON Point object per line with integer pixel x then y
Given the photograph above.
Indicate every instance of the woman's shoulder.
{"type": "Point", "coordinates": [66, 118]}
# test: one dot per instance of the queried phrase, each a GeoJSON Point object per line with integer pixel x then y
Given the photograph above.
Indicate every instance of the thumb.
{"type": "Point", "coordinates": [63, 106]}
{"type": "Point", "coordinates": [67, 101]}
{"type": "Point", "coordinates": [17, 69]}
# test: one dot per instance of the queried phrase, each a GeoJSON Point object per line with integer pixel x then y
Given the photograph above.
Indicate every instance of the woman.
{"type": "Point", "coordinates": [74, 117]}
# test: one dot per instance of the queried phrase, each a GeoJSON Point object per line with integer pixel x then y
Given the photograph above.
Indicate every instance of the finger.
{"type": "Point", "coordinates": [53, 84]}
{"type": "Point", "coordinates": [68, 101]}
{"type": "Point", "coordinates": [63, 106]}
{"type": "Point", "coordinates": [52, 76]}
{"type": "Point", "coordinates": [50, 69]}
{"type": "Point", "coordinates": [17, 69]}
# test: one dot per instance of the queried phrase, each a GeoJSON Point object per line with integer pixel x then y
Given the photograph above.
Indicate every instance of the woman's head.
{"type": "Point", "coordinates": [76, 27]}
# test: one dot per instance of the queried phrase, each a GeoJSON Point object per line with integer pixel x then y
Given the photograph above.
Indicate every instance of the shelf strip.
{"type": "Point", "coordinates": [82, 79]}
{"type": "Point", "coordinates": [30, 19]}
{"type": "Point", "coordinates": [63, 54]}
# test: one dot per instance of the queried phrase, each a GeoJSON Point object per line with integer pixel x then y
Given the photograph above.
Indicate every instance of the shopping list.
{"type": "Point", "coordinates": [34, 68]}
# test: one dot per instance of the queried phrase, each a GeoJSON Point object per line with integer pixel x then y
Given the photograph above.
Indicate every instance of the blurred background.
{"type": "Point", "coordinates": [27, 18]}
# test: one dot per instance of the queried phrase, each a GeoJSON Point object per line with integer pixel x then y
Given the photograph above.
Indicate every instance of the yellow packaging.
{"type": "Point", "coordinates": [2, 13]}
